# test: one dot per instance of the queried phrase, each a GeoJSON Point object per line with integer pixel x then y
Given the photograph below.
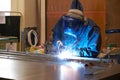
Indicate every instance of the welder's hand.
{"type": "Point", "coordinates": [59, 43]}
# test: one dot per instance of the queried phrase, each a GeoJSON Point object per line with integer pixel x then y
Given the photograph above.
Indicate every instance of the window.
{"type": "Point", "coordinates": [5, 5]}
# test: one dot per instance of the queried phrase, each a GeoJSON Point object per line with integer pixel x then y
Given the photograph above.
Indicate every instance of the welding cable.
{"type": "Point", "coordinates": [35, 37]}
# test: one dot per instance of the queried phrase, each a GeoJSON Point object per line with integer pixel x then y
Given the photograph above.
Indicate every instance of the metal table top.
{"type": "Point", "coordinates": [47, 67]}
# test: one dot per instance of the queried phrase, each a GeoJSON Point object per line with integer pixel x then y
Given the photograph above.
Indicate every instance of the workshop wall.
{"type": "Point", "coordinates": [113, 21]}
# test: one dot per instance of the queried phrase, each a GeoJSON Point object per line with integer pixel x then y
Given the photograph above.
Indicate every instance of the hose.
{"type": "Point", "coordinates": [35, 38]}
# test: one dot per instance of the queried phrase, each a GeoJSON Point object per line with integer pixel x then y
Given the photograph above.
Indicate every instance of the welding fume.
{"type": "Point", "coordinates": [76, 33]}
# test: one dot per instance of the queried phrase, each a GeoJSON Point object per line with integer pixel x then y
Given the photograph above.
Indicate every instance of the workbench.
{"type": "Point", "coordinates": [21, 66]}
{"type": "Point", "coordinates": [7, 39]}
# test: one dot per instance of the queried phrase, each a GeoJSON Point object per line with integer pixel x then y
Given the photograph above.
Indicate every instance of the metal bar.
{"type": "Point", "coordinates": [46, 57]}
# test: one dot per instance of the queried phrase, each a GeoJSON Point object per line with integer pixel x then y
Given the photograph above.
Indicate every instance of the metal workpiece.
{"type": "Point", "coordinates": [45, 57]}
{"type": "Point", "coordinates": [21, 66]}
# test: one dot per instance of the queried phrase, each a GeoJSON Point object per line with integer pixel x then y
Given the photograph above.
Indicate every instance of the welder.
{"type": "Point", "coordinates": [74, 31]}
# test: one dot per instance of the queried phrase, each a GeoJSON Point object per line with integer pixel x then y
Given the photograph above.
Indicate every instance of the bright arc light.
{"type": "Point", "coordinates": [65, 54]}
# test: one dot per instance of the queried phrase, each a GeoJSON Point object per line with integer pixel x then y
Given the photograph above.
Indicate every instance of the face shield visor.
{"type": "Point", "coordinates": [71, 26]}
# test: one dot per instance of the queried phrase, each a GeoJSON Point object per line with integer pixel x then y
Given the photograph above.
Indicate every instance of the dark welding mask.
{"type": "Point", "coordinates": [71, 25]}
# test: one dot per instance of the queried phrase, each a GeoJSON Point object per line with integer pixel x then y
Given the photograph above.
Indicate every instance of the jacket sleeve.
{"type": "Point", "coordinates": [94, 37]}
{"type": "Point", "coordinates": [94, 44]}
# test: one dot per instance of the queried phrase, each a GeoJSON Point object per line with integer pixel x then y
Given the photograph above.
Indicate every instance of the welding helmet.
{"type": "Point", "coordinates": [74, 19]}
{"type": "Point", "coordinates": [76, 11]}
{"type": "Point", "coordinates": [71, 26]}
